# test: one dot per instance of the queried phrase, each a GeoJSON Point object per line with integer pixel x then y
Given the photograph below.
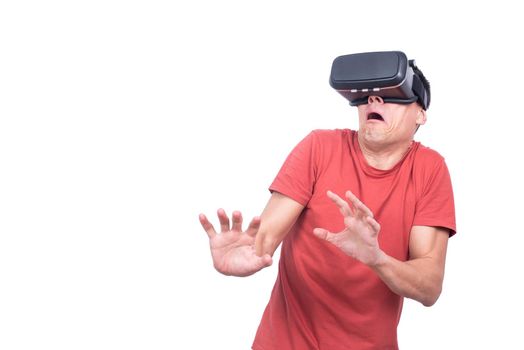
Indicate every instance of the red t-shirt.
{"type": "Point", "coordinates": [324, 299]}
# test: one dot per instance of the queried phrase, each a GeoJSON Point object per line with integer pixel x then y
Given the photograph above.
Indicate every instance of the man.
{"type": "Point", "coordinates": [364, 220]}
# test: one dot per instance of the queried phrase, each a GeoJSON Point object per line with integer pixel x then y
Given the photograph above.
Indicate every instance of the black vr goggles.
{"type": "Point", "coordinates": [386, 74]}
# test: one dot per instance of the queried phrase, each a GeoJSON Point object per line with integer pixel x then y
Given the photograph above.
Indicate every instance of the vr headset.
{"type": "Point", "coordinates": [387, 74]}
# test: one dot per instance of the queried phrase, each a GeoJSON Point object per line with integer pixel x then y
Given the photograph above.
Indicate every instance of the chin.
{"type": "Point", "coordinates": [371, 134]}
{"type": "Point", "coordinates": [376, 137]}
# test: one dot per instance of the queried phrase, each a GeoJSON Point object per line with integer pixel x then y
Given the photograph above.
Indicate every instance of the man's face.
{"type": "Point", "coordinates": [389, 123]}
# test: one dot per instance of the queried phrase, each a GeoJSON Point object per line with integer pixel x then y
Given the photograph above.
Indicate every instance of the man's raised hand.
{"type": "Point", "coordinates": [232, 250]}
{"type": "Point", "coordinates": [359, 239]}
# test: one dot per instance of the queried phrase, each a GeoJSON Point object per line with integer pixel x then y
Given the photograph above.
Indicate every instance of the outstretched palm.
{"type": "Point", "coordinates": [233, 251]}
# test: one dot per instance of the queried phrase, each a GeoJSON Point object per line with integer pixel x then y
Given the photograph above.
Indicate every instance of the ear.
{"type": "Point", "coordinates": [421, 117]}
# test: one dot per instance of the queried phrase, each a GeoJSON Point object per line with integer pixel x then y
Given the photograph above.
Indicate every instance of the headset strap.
{"type": "Point", "coordinates": [418, 87]}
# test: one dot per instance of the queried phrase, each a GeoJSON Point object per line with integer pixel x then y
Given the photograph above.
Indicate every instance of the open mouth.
{"type": "Point", "coordinates": [375, 116]}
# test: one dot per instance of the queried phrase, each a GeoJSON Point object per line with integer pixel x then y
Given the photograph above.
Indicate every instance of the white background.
{"type": "Point", "coordinates": [121, 121]}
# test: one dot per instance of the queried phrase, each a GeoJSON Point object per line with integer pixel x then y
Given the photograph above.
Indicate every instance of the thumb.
{"type": "Point", "coordinates": [267, 260]}
{"type": "Point", "coordinates": [322, 233]}
{"type": "Point", "coordinates": [262, 262]}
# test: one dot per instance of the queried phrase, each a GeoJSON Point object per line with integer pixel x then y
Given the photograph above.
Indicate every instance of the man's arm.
{"type": "Point", "coordinates": [278, 217]}
{"type": "Point", "coordinates": [420, 278]}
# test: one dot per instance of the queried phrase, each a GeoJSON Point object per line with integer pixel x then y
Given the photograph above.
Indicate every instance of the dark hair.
{"type": "Point", "coordinates": [425, 83]}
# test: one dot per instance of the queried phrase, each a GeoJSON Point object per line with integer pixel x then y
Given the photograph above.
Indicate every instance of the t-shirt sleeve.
{"type": "Point", "coordinates": [436, 205]}
{"type": "Point", "coordinates": [296, 178]}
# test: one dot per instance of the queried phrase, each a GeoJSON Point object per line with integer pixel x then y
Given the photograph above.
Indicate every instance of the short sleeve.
{"type": "Point", "coordinates": [296, 178]}
{"type": "Point", "coordinates": [436, 205]}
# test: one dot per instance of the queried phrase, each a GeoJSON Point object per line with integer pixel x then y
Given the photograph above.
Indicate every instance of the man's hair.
{"type": "Point", "coordinates": [425, 83]}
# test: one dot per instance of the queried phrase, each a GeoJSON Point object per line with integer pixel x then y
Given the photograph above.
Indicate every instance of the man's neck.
{"type": "Point", "coordinates": [384, 157]}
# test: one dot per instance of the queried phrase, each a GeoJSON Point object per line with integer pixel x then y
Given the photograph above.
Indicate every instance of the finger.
{"type": "Point", "coordinates": [253, 227]}
{"type": "Point", "coordinates": [342, 204]}
{"type": "Point", "coordinates": [237, 221]}
{"type": "Point", "coordinates": [224, 220]}
{"type": "Point", "coordinates": [374, 224]}
{"type": "Point", "coordinates": [357, 203]}
{"type": "Point", "coordinates": [208, 227]}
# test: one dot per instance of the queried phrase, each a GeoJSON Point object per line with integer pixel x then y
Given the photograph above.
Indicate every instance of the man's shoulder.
{"type": "Point", "coordinates": [428, 154]}
{"type": "Point", "coordinates": [428, 161]}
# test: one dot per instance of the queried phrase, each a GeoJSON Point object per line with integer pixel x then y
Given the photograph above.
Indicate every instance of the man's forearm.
{"type": "Point", "coordinates": [419, 279]}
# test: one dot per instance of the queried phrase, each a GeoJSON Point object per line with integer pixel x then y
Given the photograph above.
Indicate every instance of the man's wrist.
{"type": "Point", "coordinates": [380, 261]}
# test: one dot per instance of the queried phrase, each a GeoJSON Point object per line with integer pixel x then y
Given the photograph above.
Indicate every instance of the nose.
{"type": "Point", "coordinates": [376, 99]}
